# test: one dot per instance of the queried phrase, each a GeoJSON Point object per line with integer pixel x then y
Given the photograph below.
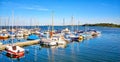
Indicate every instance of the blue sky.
{"type": "Point", "coordinates": [40, 11]}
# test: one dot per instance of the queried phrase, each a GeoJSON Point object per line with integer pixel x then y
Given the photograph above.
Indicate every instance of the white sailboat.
{"type": "Point", "coordinates": [4, 32]}
{"type": "Point", "coordinates": [12, 31]}
{"type": "Point", "coordinates": [52, 39]}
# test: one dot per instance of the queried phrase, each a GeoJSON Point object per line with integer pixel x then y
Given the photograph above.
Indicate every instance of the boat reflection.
{"type": "Point", "coordinates": [56, 46]}
{"type": "Point", "coordinates": [14, 56]}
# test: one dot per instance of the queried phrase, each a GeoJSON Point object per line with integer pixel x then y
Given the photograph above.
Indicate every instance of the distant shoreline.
{"type": "Point", "coordinates": [104, 25]}
{"type": "Point", "coordinates": [97, 24]}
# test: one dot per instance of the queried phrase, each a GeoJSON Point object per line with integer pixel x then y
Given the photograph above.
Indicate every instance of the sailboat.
{"type": "Point", "coordinates": [4, 32]}
{"type": "Point", "coordinates": [32, 36]}
{"type": "Point", "coordinates": [90, 33]}
{"type": "Point", "coordinates": [19, 33]}
{"type": "Point", "coordinates": [49, 40]}
{"type": "Point", "coordinates": [72, 36]}
{"type": "Point", "coordinates": [14, 51]}
{"type": "Point", "coordinates": [12, 31]}
{"type": "Point", "coordinates": [94, 33]}
{"type": "Point", "coordinates": [52, 39]}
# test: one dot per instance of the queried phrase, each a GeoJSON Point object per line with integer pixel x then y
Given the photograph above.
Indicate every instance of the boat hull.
{"type": "Point", "coordinates": [18, 55]}
{"type": "Point", "coordinates": [3, 37]}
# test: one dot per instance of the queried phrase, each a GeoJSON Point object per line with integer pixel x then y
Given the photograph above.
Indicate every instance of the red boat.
{"type": "Point", "coordinates": [14, 51]}
{"type": "Point", "coordinates": [3, 36]}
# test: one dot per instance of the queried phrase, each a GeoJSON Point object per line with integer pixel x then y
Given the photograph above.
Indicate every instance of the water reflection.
{"type": "Point", "coordinates": [52, 51]}
{"type": "Point", "coordinates": [14, 58]}
{"type": "Point", "coordinates": [56, 46]}
{"type": "Point", "coordinates": [48, 55]}
{"type": "Point", "coordinates": [35, 54]}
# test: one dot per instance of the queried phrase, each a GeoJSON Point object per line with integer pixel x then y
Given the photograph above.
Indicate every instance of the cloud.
{"type": "Point", "coordinates": [36, 8]}
{"type": "Point", "coordinates": [15, 5]}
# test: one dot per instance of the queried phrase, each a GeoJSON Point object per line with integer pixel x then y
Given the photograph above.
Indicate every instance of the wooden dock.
{"type": "Point", "coordinates": [21, 44]}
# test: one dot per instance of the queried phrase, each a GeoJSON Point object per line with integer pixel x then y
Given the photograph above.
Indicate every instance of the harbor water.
{"type": "Point", "coordinates": [104, 48]}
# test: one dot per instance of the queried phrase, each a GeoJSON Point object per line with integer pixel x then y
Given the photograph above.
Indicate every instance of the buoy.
{"type": "Point", "coordinates": [80, 38]}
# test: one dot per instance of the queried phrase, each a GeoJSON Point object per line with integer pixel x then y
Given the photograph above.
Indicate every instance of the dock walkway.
{"type": "Point", "coordinates": [21, 44]}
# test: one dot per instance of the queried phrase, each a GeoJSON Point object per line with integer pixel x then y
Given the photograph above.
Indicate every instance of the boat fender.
{"type": "Point", "coordinates": [56, 43]}
{"type": "Point", "coordinates": [18, 51]}
{"type": "Point", "coordinates": [80, 37]}
{"type": "Point", "coordinates": [11, 55]}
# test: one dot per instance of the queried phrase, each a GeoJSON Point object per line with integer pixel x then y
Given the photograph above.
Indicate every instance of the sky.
{"type": "Point", "coordinates": [39, 12]}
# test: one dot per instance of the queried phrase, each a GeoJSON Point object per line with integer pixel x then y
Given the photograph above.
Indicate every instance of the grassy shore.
{"type": "Point", "coordinates": [104, 25]}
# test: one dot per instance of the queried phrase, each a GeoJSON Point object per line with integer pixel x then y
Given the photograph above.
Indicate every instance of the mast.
{"type": "Point", "coordinates": [78, 25]}
{"type": "Point", "coordinates": [12, 19]}
{"type": "Point", "coordinates": [8, 24]}
{"type": "Point", "coordinates": [52, 21]}
{"type": "Point", "coordinates": [0, 24]}
{"type": "Point", "coordinates": [63, 21]}
{"type": "Point", "coordinates": [12, 24]}
{"type": "Point", "coordinates": [31, 23]}
{"type": "Point", "coordinates": [5, 23]}
{"type": "Point", "coordinates": [51, 33]}
{"type": "Point", "coordinates": [38, 23]}
{"type": "Point", "coordinates": [86, 28]}
{"type": "Point", "coordinates": [72, 23]}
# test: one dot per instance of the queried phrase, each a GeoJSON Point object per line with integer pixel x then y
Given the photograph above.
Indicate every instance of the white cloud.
{"type": "Point", "coordinates": [15, 5]}
{"type": "Point", "coordinates": [36, 8]}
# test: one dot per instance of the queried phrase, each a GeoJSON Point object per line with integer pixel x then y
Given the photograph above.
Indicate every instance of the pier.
{"type": "Point", "coordinates": [21, 44]}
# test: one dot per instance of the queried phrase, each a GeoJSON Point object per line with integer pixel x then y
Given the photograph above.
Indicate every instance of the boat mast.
{"type": "Point", "coordinates": [38, 23]}
{"type": "Point", "coordinates": [8, 24]}
{"type": "Point", "coordinates": [5, 23]}
{"type": "Point", "coordinates": [31, 23]}
{"type": "Point", "coordinates": [63, 21]}
{"type": "Point", "coordinates": [12, 24]}
{"type": "Point", "coordinates": [86, 28]}
{"type": "Point", "coordinates": [72, 23]}
{"type": "Point", "coordinates": [0, 24]}
{"type": "Point", "coordinates": [78, 25]}
{"type": "Point", "coordinates": [51, 33]}
{"type": "Point", "coordinates": [52, 21]}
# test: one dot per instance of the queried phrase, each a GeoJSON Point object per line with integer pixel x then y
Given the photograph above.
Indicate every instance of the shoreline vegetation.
{"type": "Point", "coordinates": [96, 24]}
{"type": "Point", "coordinates": [101, 25]}
{"type": "Point", "coordinates": [104, 25]}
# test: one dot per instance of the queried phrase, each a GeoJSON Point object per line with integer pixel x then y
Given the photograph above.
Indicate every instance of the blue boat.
{"type": "Point", "coordinates": [32, 37]}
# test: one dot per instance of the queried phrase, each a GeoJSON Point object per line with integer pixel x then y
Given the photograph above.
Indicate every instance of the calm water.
{"type": "Point", "coordinates": [105, 48]}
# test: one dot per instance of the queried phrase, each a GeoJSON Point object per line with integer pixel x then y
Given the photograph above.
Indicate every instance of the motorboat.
{"type": "Point", "coordinates": [3, 35]}
{"type": "Point", "coordinates": [19, 34]}
{"type": "Point", "coordinates": [14, 51]}
{"type": "Point", "coordinates": [32, 37]}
